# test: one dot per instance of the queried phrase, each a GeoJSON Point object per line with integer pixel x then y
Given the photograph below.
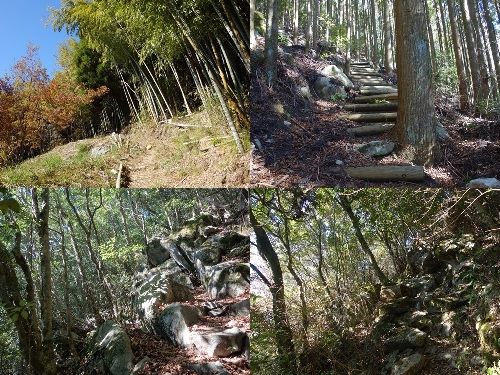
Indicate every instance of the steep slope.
{"type": "Point", "coordinates": [443, 317]}
{"type": "Point", "coordinates": [165, 155]}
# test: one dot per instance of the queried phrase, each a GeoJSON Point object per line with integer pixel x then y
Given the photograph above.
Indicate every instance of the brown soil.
{"type": "Point", "coordinates": [305, 152]}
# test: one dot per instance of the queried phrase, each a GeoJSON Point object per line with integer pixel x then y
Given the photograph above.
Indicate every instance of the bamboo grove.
{"type": "Point", "coordinates": [154, 46]}
{"type": "Point", "coordinates": [462, 38]}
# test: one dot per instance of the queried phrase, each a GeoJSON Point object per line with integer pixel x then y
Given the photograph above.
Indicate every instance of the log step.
{"type": "Point", "coordinates": [371, 117]}
{"type": "Point", "coordinates": [375, 74]}
{"type": "Point", "coordinates": [372, 98]}
{"type": "Point", "coordinates": [371, 107]}
{"type": "Point", "coordinates": [375, 83]}
{"type": "Point", "coordinates": [379, 87]}
{"type": "Point", "coordinates": [360, 63]}
{"type": "Point", "coordinates": [373, 129]}
{"type": "Point", "coordinates": [378, 91]}
{"type": "Point", "coordinates": [388, 173]}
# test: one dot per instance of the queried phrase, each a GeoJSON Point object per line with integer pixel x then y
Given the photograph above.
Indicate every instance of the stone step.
{"type": "Point", "coordinates": [414, 173]}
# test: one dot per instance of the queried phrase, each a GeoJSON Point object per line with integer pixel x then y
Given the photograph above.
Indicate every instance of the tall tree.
{"type": "Point", "coordinates": [416, 122]}
{"type": "Point", "coordinates": [271, 45]}
{"type": "Point", "coordinates": [387, 39]}
{"type": "Point", "coordinates": [41, 218]}
{"type": "Point", "coordinates": [284, 335]}
{"type": "Point", "coordinates": [459, 63]}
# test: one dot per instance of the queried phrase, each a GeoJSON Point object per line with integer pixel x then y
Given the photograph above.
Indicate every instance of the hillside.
{"type": "Point", "coordinates": [167, 155]}
{"type": "Point", "coordinates": [375, 281]}
{"type": "Point", "coordinates": [304, 135]}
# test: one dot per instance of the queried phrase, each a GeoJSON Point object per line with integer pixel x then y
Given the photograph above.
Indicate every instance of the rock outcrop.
{"type": "Point", "coordinates": [199, 254]}
{"type": "Point", "coordinates": [435, 302]}
{"type": "Point", "coordinates": [109, 351]}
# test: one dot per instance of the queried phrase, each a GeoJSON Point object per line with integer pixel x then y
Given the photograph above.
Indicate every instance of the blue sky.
{"type": "Point", "coordinates": [24, 21]}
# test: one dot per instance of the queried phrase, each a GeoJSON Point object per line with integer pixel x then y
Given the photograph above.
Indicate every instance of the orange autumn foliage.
{"type": "Point", "coordinates": [36, 112]}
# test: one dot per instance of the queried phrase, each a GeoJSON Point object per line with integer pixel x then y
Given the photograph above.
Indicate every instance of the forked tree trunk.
{"type": "Point", "coordinates": [416, 121]}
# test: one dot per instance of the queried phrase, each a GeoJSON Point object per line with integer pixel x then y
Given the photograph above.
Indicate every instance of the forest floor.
{"type": "Point", "coordinates": [167, 155]}
{"type": "Point", "coordinates": [302, 140]}
{"type": "Point", "coordinates": [165, 358]}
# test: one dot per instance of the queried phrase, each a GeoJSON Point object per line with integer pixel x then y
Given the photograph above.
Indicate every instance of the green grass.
{"type": "Point", "coordinates": [53, 170]}
{"type": "Point", "coordinates": [170, 152]}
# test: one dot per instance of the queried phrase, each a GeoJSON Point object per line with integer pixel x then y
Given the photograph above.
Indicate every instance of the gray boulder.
{"type": "Point", "coordinates": [484, 183]}
{"type": "Point", "coordinates": [228, 279]}
{"type": "Point", "coordinates": [409, 365]}
{"type": "Point", "coordinates": [333, 71]}
{"type": "Point", "coordinates": [173, 323]}
{"type": "Point", "coordinates": [161, 285]}
{"type": "Point", "coordinates": [376, 148]}
{"type": "Point", "coordinates": [109, 351]}
{"type": "Point", "coordinates": [218, 342]}
{"type": "Point", "coordinates": [325, 88]}
{"type": "Point", "coordinates": [156, 253]}
{"type": "Point", "coordinates": [208, 368]}
{"type": "Point", "coordinates": [241, 308]}
{"type": "Point", "coordinates": [178, 254]}
{"type": "Point", "coordinates": [402, 338]}
{"type": "Point", "coordinates": [413, 287]}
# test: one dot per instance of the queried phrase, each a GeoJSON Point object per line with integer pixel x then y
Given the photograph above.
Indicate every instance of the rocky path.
{"type": "Point", "coordinates": [376, 111]}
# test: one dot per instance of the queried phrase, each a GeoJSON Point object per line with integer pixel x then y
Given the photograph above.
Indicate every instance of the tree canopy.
{"type": "Point", "coordinates": [329, 252]}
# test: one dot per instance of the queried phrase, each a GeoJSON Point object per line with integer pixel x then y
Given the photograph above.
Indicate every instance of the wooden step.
{"type": "Point", "coordinates": [372, 129]}
{"type": "Point", "coordinates": [360, 63]}
{"type": "Point", "coordinates": [377, 107]}
{"type": "Point", "coordinates": [378, 87]}
{"type": "Point", "coordinates": [376, 83]}
{"type": "Point", "coordinates": [378, 91]}
{"type": "Point", "coordinates": [388, 173]}
{"type": "Point", "coordinates": [371, 117]}
{"type": "Point", "coordinates": [362, 74]}
{"type": "Point", "coordinates": [362, 70]}
{"type": "Point", "coordinates": [372, 98]}
{"type": "Point", "coordinates": [370, 83]}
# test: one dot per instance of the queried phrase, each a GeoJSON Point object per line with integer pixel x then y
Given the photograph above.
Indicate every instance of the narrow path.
{"type": "Point", "coordinates": [376, 111]}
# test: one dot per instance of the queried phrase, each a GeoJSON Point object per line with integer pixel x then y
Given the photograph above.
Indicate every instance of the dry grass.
{"type": "Point", "coordinates": [164, 155]}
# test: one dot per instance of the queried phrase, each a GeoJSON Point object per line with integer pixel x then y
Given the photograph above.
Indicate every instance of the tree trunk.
{"type": "Point", "coordinates": [252, 23]}
{"type": "Point", "coordinates": [30, 341]}
{"type": "Point", "coordinates": [493, 40]}
{"type": "Point", "coordinates": [346, 206]}
{"type": "Point", "coordinates": [387, 39]}
{"type": "Point", "coordinates": [416, 121]}
{"type": "Point", "coordinates": [471, 51]}
{"type": "Point", "coordinates": [462, 77]}
{"type": "Point", "coordinates": [284, 335]}
{"type": "Point", "coordinates": [41, 218]}
{"type": "Point", "coordinates": [308, 27]}
{"type": "Point", "coordinates": [271, 45]}
{"type": "Point", "coordinates": [67, 305]}
{"type": "Point", "coordinates": [374, 31]}
{"type": "Point", "coordinates": [348, 42]}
